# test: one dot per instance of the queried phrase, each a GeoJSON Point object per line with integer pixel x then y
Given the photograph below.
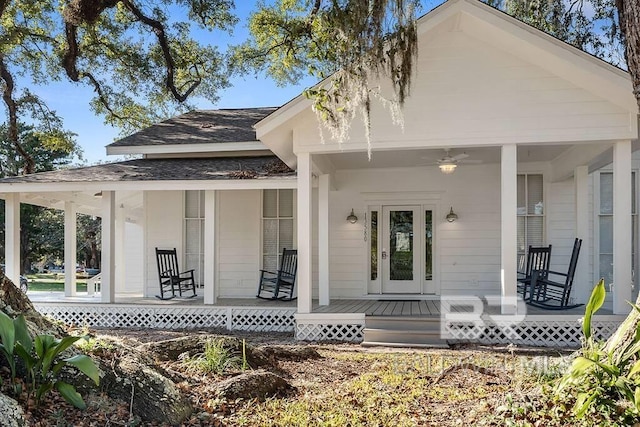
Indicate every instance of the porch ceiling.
{"type": "Point", "coordinates": [429, 157]}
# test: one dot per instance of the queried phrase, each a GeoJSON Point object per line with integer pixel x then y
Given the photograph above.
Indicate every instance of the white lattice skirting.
{"type": "Point", "coordinates": [330, 327]}
{"type": "Point", "coordinates": [546, 333]}
{"type": "Point", "coordinates": [154, 317]}
{"type": "Point", "coordinates": [342, 332]}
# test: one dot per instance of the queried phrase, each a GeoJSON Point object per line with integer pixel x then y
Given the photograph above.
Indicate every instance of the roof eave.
{"type": "Point", "coordinates": [186, 148]}
{"type": "Point", "coordinates": [286, 182]}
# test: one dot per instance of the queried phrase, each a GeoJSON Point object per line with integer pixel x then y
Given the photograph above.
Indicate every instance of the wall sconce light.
{"type": "Point", "coordinates": [451, 216]}
{"type": "Point", "coordinates": [352, 218]}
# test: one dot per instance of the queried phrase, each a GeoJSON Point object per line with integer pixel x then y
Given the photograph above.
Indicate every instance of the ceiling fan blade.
{"type": "Point", "coordinates": [460, 156]}
{"type": "Point", "coordinates": [471, 162]}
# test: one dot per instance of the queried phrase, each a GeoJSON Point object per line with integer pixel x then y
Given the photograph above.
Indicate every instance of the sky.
{"type": "Point", "coordinates": [71, 101]}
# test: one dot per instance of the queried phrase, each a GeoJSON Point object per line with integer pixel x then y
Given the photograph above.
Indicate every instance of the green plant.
{"type": "Point", "coordinates": [41, 359]}
{"type": "Point", "coordinates": [218, 358]}
{"type": "Point", "coordinates": [12, 332]}
{"type": "Point", "coordinates": [605, 382]}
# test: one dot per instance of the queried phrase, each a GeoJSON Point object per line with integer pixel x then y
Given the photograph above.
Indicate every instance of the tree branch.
{"type": "Point", "coordinates": [12, 108]}
{"type": "Point", "coordinates": [158, 29]}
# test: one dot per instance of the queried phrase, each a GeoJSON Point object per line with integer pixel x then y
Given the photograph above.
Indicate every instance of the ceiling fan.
{"type": "Point", "coordinates": [449, 163]}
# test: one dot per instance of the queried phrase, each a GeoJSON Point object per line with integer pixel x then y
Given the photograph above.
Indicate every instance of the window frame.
{"type": "Point", "coordinates": [635, 259]}
{"type": "Point", "coordinates": [199, 272]}
{"type": "Point", "coordinates": [294, 213]}
{"type": "Point", "coordinates": [527, 215]}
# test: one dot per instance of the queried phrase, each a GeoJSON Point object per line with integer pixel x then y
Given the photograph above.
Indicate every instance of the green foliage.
{"type": "Point", "coordinates": [605, 383]}
{"type": "Point", "coordinates": [589, 25]}
{"type": "Point", "coordinates": [357, 44]}
{"type": "Point", "coordinates": [217, 358]}
{"type": "Point", "coordinates": [141, 58]}
{"type": "Point", "coordinates": [41, 359]}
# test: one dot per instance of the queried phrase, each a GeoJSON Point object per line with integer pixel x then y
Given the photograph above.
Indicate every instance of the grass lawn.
{"type": "Point", "coordinates": [51, 282]}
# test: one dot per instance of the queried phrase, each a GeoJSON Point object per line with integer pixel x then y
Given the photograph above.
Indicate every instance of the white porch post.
{"type": "Point", "coordinates": [70, 250]}
{"type": "Point", "coordinates": [107, 265]}
{"type": "Point", "coordinates": [622, 227]}
{"type": "Point", "coordinates": [304, 233]}
{"type": "Point", "coordinates": [12, 237]}
{"type": "Point", "coordinates": [323, 239]}
{"type": "Point", "coordinates": [509, 239]}
{"type": "Point", "coordinates": [582, 281]}
{"type": "Point", "coordinates": [119, 257]}
{"type": "Point", "coordinates": [209, 246]}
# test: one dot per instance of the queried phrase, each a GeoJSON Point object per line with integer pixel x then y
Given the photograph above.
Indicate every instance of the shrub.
{"type": "Point", "coordinates": [217, 358]}
{"type": "Point", "coordinates": [604, 383]}
{"type": "Point", "coordinates": [41, 358]}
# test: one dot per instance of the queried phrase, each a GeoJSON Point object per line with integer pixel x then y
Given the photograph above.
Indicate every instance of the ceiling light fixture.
{"type": "Point", "coordinates": [447, 168]}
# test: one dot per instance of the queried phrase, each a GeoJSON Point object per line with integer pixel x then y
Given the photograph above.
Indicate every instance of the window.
{"type": "Point", "coordinates": [374, 245]}
{"type": "Point", "coordinates": [277, 226]}
{"type": "Point", "coordinates": [605, 225]}
{"type": "Point", "coordinates": [530, 212]}
{"type": "Point", "coordinates": [194, 233]}
{"type": "Point", "coordinates": [428, 245]}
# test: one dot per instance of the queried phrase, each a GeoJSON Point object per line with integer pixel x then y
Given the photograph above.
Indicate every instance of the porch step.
{"type": "Point", "coordinates": [398, 331]}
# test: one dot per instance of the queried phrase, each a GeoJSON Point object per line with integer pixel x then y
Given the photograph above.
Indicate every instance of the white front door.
{"type": "Point", "coordinates": [401, 249]}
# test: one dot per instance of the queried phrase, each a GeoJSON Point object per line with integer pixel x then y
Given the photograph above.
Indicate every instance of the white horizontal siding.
{"type": "Point", "coordinates": [239, 239]}
{"type": "Point", "coordinates": [468, 251]}
{"type": "Point", "coordinates": [164, 230]}
{"type": "Point", "coordinates": [133, 259]}
{"type": "Point", "coordinates": [468, 90]}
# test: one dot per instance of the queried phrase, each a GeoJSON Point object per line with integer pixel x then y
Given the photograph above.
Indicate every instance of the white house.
{"type": "Point", "coordinates": [548, 134]}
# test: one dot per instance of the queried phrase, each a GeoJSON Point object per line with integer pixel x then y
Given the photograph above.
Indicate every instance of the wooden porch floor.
{"type": "Point", "coordinates": [370, 307]}
{"type": "Point", "coordinates": [426, 308]}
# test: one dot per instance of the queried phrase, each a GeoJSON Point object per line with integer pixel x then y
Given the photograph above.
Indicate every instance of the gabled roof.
{"type": "Point", "coordinates": [196, 127]}
{"type": "Point", "coordinates": [505, 33]}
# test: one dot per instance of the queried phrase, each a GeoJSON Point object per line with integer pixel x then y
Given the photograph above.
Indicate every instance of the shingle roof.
{"type": "Point", "coordinates": [220, 168]}
{"type": "Point", "coordinates": [200, 127]}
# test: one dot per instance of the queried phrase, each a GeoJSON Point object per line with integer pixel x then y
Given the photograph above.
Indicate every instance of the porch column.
{"type": "Point", "coordinates": [582, 280]}
{"type": "Point", "coordinates": [323, 239]}
{"type": "Point", "coordinates": [622, 227]}
{"type": "Point", "coordinates": [70, 249]}
{"type": "Point", "coordinates": [209, 246]}
{"type": "Point", "coordinates": [509, 236]}
{"type": "Point", "coordinates": [12, 237]}
{"type": "Point", "coordinates": [304, 233]}
{"type": "Point", "coordinates": [119, 257]}
{"type": "Point", "coordinates": [107, 265]}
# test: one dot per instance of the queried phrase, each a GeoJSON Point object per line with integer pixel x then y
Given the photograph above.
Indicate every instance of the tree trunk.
{"type": "Point", "coordinates": [629, 22]}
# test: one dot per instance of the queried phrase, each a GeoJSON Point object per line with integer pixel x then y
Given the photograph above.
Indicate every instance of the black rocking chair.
{"type": "Point", "coordinates": [554, 294]}
{"type": "Point", "coordinates": [279, 285]}
{"type": "Point", "coordinates": [537, 259]}
{"type": "Point", "coordinates": [172, 280]}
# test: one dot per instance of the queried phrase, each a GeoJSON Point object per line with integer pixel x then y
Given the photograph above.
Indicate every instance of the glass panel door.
{"type": "Point", "coordinates": [401, 249]}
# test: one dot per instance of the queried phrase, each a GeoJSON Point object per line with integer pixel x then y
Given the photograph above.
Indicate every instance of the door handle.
{"type": "Point", "coordinates": [384, 254]}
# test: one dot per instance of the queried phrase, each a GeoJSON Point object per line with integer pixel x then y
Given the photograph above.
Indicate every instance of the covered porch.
{"type": "Point", "coordinates": [477, 253]}
{"type": "Point", "coordinates": [149, 203]}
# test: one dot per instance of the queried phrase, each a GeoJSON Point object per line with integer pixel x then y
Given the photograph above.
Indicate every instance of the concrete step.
{"type": "Point", "coordinates": [403, 338]}
{"type": "Point", "coordinates": [416, 323]}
